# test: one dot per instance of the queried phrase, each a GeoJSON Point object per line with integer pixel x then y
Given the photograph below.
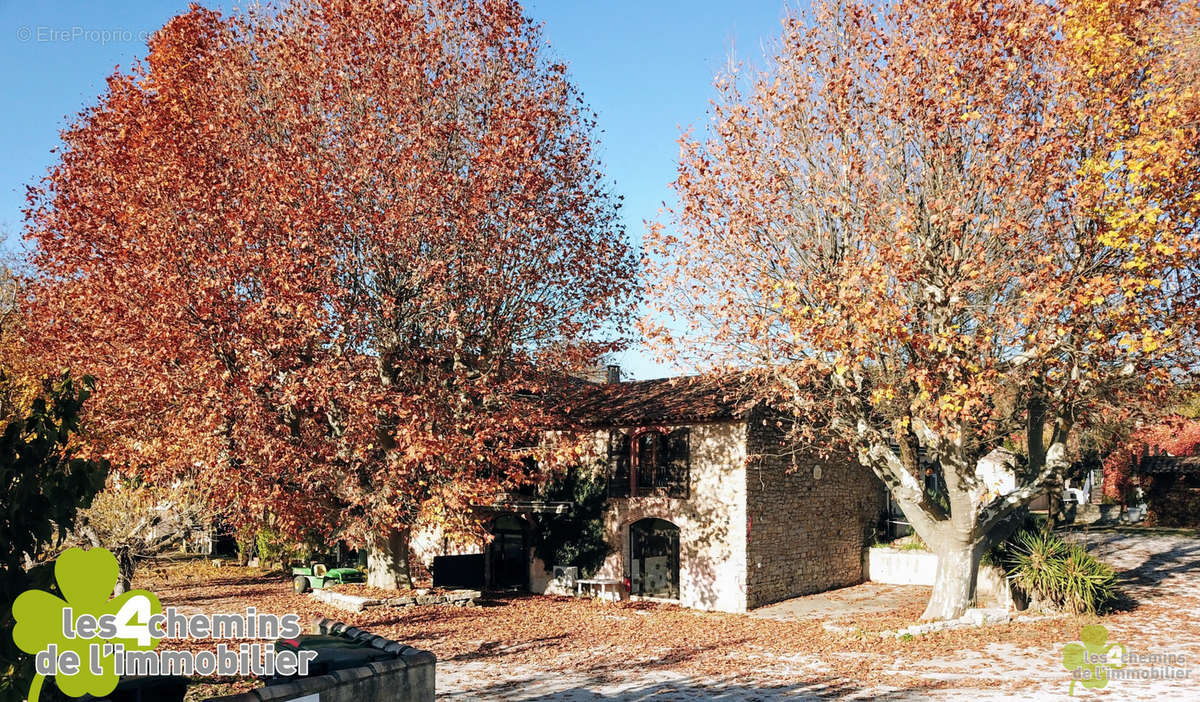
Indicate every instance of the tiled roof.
{"type": "Point", "coordinates": [682, 400]}
{"type": "Point", "coordinates": [1170, 464]}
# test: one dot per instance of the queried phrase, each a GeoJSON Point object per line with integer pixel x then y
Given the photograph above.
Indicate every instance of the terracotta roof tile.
{"type": "Point", "coordinates": [681, 400]}
{"type": "Point", "coordinates": [1170, 464]}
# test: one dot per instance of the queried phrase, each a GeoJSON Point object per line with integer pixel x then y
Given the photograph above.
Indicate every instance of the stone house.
{"type": "Point", "coordinates": [708, 506]}
{"type": "Point", "coordinates": [1173, 497]}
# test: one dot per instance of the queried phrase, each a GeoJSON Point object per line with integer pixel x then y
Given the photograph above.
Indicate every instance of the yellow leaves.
{"type": "Point", "coordinates": [950, 404]}
{"type": "Point", "coordinates": [1147, 343]}
{"type": "Point", "coordinates": [970, 115]}
{"type": "Point", "coordinates": [1137, 263]}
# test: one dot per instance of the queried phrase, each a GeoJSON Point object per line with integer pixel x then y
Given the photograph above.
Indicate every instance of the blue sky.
{"type": "Point", "coordinates": [645, 67]}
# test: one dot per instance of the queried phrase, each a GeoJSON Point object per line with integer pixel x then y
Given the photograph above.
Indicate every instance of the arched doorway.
{"type": "Point", "coordinates": [654, 559]}
{"type": "Point", "coordinates": [508, 554]}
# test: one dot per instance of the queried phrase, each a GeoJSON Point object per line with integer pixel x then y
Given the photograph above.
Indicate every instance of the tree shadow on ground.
{"type": "Point", "coordinates": [495, 649]}
{"type": "Point", "coordinates": [1138, 583]}
{"type": "Point", "coordinates": [1178, 560]}
{"type": "Point", "coordinates": [536, 689]}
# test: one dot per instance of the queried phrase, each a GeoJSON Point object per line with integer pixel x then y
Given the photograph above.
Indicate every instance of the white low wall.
{"type": "Point", "coordinates": [887, 565]}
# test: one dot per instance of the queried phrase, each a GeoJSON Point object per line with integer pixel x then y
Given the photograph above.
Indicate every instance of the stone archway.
{"type": "Point", "coordinates": [654, 559]}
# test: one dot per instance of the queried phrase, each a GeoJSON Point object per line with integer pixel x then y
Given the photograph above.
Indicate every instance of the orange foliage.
{"type": "Point", "coordinates": [943, 223]}
{"type": "Point", "coordinates": [316, 256]}
{"type": "Point", "coordinates": [1176, 435]}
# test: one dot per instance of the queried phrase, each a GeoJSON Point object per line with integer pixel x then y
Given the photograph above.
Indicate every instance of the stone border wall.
{"type": "Point", "coordinates": [357, 603]}
{"type": "Point", "coordinates": [895, 567]}
{"type": "Point", "coordinates": [406, 677]}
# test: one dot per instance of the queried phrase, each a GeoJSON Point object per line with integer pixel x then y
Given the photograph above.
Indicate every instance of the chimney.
{"type": "Point", "coordinates": [614, 373]}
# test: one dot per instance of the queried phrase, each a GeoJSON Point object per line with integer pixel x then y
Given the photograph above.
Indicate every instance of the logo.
{"type": "Point", "coordinates": [87, 640]}
{"type": "Point", "coordinates": [1090, 661]}
{"type": "Point", "coordinates": [76, 635]}
{"type": "Point", "coordinates": [1095, 662]}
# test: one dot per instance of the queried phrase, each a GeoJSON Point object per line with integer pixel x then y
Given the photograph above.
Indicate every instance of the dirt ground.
{"type": "Point", "coordinates": [549, 648]}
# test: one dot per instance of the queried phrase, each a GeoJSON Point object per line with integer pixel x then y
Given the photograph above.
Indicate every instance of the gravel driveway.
{"type": "Point", "coordinates": [1160, 573]}
{"type": "Point", "coordinates": [516, 647]}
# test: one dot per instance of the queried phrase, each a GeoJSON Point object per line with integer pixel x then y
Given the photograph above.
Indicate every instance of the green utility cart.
{"type": "Point", "coordinates": [318, 577]}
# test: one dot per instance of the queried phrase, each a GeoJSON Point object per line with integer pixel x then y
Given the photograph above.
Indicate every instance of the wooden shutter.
{"type": "Point", "coordinates": [678, 462]}
{"type": "Point", "coordinates": [618, 463]}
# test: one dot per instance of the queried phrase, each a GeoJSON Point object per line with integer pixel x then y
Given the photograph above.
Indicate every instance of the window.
{"type": "Point", "coordinates": [618, 463]}
{"type": "Point", "coordinates": [654, 559]}
{"type": "Point", "coordinates": [649, 462]}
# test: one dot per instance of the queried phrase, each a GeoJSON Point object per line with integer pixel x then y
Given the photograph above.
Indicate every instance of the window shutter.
{"type": "Point", "coordinates": [650, 460]}
{"type": "Point", "coordinates": [678, 460]}
{"type": "Point", "coordinates": [618, 463]}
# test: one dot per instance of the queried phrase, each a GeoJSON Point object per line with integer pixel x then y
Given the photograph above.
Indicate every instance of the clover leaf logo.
{"type": "Point", "coordinates": [1089, 661]}
{"type": "Point", "coordinates": [86, 580]}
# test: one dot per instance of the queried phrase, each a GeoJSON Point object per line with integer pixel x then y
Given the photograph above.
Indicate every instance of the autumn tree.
{"type": "Point", "coordinates": [139, 522]}
{"type": "Point", "coordinates": [936, 226]}
{"type": "Point", "coordinates": [1175, 435]}
{"type": "Point", "coordinates": [332, 251]}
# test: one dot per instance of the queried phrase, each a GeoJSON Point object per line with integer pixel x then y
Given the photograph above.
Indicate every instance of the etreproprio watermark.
{"type": "Point", "coordinates": [47, 34]}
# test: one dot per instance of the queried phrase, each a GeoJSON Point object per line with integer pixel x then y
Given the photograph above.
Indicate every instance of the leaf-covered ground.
{"type": "Point", "coordinates": [531, 647]}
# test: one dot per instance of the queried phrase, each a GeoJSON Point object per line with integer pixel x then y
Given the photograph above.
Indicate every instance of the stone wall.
{"type": "Point", "coordinates": [811, 519]}
{"type": "Point", "coordinates": [711, 520]}
{"type": "Point", "coordinates": [357, 603]}
{"type": "Point", "coordinates": [1174, 503]}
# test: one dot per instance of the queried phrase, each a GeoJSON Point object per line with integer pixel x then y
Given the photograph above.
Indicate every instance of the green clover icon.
{"type": "Point", "coordinates": [1089, 660]}
{"type": "Point", "coordinates": [86, 580]}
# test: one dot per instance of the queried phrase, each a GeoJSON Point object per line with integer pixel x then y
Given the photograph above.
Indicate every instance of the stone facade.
{"type": "Point", "coordinates": [711, 520]}
{"type": "Point", "coordinates": [811, 519]}
{"type": "Point", "coordinates": [756, 525]}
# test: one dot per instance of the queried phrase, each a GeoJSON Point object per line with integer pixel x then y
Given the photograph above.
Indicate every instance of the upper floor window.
{"type": "Point", "coordinates": [649, 462]}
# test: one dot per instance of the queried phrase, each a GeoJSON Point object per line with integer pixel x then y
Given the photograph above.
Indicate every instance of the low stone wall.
{"type": "Point", "coordinates": [1178, 506]}
{"type": "Point", "coordinates": [357, 603]}
{"type": "Point", "coordinates": [895, 567]}
{"type": "Point", "coordinates": [406, 676]}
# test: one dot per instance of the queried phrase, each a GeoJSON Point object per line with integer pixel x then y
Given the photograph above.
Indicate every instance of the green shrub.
{"type": "Point", "coordinates": [1059, 574]}
{"type": "Point", "coordinates": [272, 546]}
{"type": "Point", "coordinates": [912, 542]}
{"type": "Point", "coordinates": [575, 537]}
{"type": "Point", "coordinates": [1006, 536]}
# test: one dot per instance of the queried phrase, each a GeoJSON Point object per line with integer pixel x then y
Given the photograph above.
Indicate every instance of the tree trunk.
{"type": "Point", "coordinates": [125, 567]}
{"type": "Point", "coordinates": [1054, 508]}
{"type": "Point", "coordinates": [954, 586]}
{"type": "Point", "coordinates": [243, 549]}
{"type": "Point", "coordinates": [387, 560]}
